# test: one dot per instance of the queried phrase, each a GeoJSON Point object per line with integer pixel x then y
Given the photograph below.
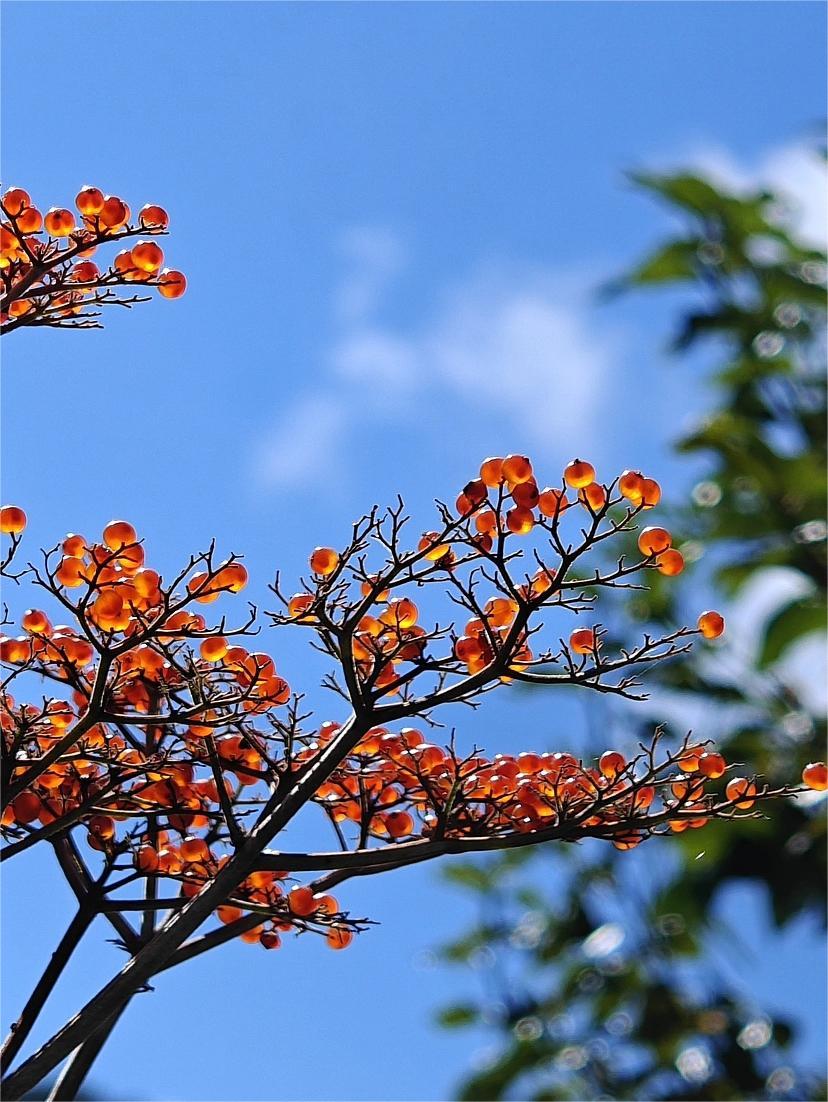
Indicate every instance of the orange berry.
{"type": "Point", "coordinates": [72, 572]}
{"type": "Point", "coordinates": [114, 213]}
{"type": "Point", "coordinates": [711, 624]}
{"type": "Point", "coordinates": [399, 823]}
{"type": "Point", "coordinates": [194, 849]}
{"type": "Point", "coordinates": [85, 272]}
{"type": "Point", "coordinates": [16, 200]}
{"type": "Point", "coordinates": [59, 222]}
{"type": "Point", "coordinates": [491, 471]}
{"type": "Point", "coordinates": [30, 221]}
{"type": "Point", "coordinates": [233, 577]}
{"type": "Point", "coordinates": [119, 533]}
{"type": "Point", "coordinates": [339, 937]}
{"type": "Point", "coordinates": [146, 859]}
{"type": "Point", "coordinates": [516, 469]}
{"type": "Point", "coordinates": [526, 494]}
{"type": "Point", "coordinates": [552, 502]}
{"type": "Point", "coordinates": [228, 914]}
{"type": "Point", "coordinates": [89, 200]}
{"type": "Point", "coordinates": [520, 521]}
{"type": "Point", "coordinates": [35, 621]}
{"type": "Point", "coordinates": [650, 493]}
{"type": "Point", "coordinates": [171, 283]}
{"type": "Point", "coordinates": [147, 256]}
{"type": "Point", "coordinates": [652, 541]}
{"type": "Point", "coordinates": [401, 612]}
{"type": "Point", "coordinates": [324, 561]}
{"type": "Point", "coordinates": [741, 790]}
{"type": "Point", "coordinates": [583, 641]}
{"type": "Point", "coordinates": [579, 473]}
{"type": "Point", "coordinates": [26, 807]}
{"type": "Point", "coordinates": [270, 940]}
{"type": "Point", "coordinates": [214, 648]}
{"type": "Point", "coordinates": [712, 765]}
{"type": "Point", "coordinates": [302, 901]}
{"type": "Point", "coordinates": [670, 562]}
{"type": "Point", "coordinates": [299, 604]}
{"type": "Point", "coordinates": [815, 775]}
{"type": "Point", "coordinates": [594, 495]}
{"type": "Point", "coordinates": [153, 217]}
{"type": "Point", "coordinates": [12, 520]}
{"type": "Point", "coordinates": [631, 486]}
{"type": "Point", "coordinates": [611, 763]}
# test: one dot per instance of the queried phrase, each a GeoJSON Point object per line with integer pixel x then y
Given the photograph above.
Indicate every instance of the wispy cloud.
{"type": "Point", "coordinates": [516, 341]}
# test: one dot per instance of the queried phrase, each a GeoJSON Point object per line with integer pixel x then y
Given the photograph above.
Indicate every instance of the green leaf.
{"type": "Point", "coordinates": [800, 617]}
{"type": "Point", "coordinates": [455, 1017]}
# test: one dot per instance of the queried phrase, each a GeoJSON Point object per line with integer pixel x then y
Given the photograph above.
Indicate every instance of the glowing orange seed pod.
{"type": "Point", "coordinates": [339, 937]}
{"type": "Point", "coordinates": [579, 473]}
{"type": "Point", "coordinates": [516, 469]}
{"type": "Point", "coordinates": [520, 521]}
{"type": "Point", "coordinates": [552, 502]}
{"type": "Point", "coordinates": [631, 486]}
{"type": "Point", "coordinates": [89, 200]}
{"type": "Point", "coordinates": [670, 562]}
{"type": "Point", "coordinates": [12, 520]}
{"type": "Point", "coordinates": [741, 791]}
{"type": "Point", "coordinates": [153, 217]}
{"type": "Point", "coordinates": [147, 256]}
{"type": "Point", "coordinates": [59, 222]}
{"type": "Point", "coordinates": [583, 641]}
{"type": "Point", "coordinates": [30, 221]}
{"type": "Point", "coordinates": [119, 533]}
{"type": "Point", "coordinates": [711, 624]}
{"type": "Point", "coordinates": [652, 541]}
{"type": "Point", "coordinates": [491, 471]}
{"type": "Point", "coordinates": [815, 776]}
{"type": "Point", "coordinates": [324, 561]}
{"type": "Point", "coordinates": [15, 200]}
{"type": "Point", "coordinates": [171, 283]}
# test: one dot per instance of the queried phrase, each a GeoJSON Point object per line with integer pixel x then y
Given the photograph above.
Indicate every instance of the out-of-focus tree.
{"type": "Point", "coordinates": [605, 985]}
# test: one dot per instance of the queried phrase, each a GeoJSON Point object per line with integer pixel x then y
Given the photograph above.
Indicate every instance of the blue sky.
{"type": "Point", "coordinates": [392, 218]}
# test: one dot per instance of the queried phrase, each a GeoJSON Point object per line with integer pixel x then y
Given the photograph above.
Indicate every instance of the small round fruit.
{"type": "Point", "coordinates": [89, 200]}
{"type": "Point", "coordinates": [579, 473]}
{"type": "Point", "coordinates": [147, 256]}
{"type": "Point", "coordinates": [741, 791]}
{"type": "Point", "coordinates": [815, 776]}
{"type": "Point", "coordinates": [171, 283]}
{"type": "Point", "coordinates": [712, 765]}
{"type": "Point", "coordinates": [16, 200]}
{"type": "Point", "coordinates": [711, 624]}
{"type": "Point", "coordinates": [516, 469]}
{"type": "Point", "coordinates": [59, 222]}
{"type": "Point", "coordinates": [324, 561]}
{"type": "Point", "coordinates": [631, 485]}
{"type": "Point", "coordinates": [670, 562]}
{"type": "Point", "coordinates": [652, 541]}
{"type": "Point", "coordinates": [153, 217]}
{"type": "Point", "coordinates": [12, 520]}
{"type": "Point", "coordinates": [118, 534]}
{"type": "Point", "coordinates": [583, 641]}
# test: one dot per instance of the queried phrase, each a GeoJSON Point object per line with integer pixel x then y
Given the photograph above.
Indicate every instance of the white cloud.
{"type": "Point", "coordinates": [509, 340]}
{"type": "Point", "coordinates": [794, 170]}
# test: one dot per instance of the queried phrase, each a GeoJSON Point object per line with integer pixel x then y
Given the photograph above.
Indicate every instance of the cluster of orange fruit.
{"type": "Point", "coordinates": [397, 784]}
{"type": "Point", "coordinates": [68, 275]}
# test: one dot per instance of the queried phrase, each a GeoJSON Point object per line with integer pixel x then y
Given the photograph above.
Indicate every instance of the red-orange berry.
{"type": "Point", "coordinates": [491, 471]}
{"type": "Point", "coordinates": [552, 502]}
{"type": "Point", "coordinates": [741, 790]}
{"type": "Point", "coordinates": [324, 561]}
{"type": "Point", "coordinates": [516, 469]}
{"type": "Point", "coordinates": [611, 763]}
{"type": "Point", "coordinates": [171, 283]}
{"type": "Point", "coordinates": [89, 200]}
{"type": "Point", "coordinates": [631, 486]}
{"type": "Point", "coordinates": [520, 521]}
{"type": "Point", "coordinates": [670, 562]}
{"type": "Point", "coordinates": [59, 222]}
{"type": "Point", "coordinates": [711, 624]}
{"type": "Point", "coordinates": [579, 473]}
{"type": "Point", "coordinates": [815, 776]}
{"type": "Point", "coordinates": [652, 541]}
{"type": "Point", "coordinates": [302, 901]}
{"type": "Point", "coordinates": [712, 765]}
{"type": "Point", "coordinates": [147, 256]}
{"type": "Point", "coordinates": [153, 217]}
{"type": "Point", "coordinates": [583, 641]}
{"type": "Point", "coordinates": [16, 200]}
{"type": "Point", "coordinates": [12, 520]}
{"type": "Point", "coordinates": [118, 534]}
{"type": "Point", "coordinates": [339, 937]}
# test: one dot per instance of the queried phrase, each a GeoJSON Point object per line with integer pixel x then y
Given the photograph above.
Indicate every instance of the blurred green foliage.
{"type": "Point", "coordinates": [605, 986]}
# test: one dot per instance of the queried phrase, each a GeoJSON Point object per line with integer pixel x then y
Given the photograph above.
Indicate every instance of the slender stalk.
{"type": "Point", "coordinates": [77, 1067]}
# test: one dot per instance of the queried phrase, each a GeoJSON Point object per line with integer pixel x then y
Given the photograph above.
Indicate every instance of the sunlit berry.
{"type": "Point", "coordinates": [594, 495]}
{"type": "Point", "coordinates": [299, 604]}
{"type": "Point", "coordinates": [399, 823]}
{"type": "Point", "coordinates": [712, 765]}
{"type": "Point", "coordinates": [670, 562]}
{"type": "Point", "coordinates": [339, 937]}
{"type": "Point", "coordinates": [30, 221]}
{"type": "Point", "coordinates": [171, 283]}
{"type": "Point", "coordinates": [491, 471]}
{"type": "Point", "coordinates": [650, 493]}
{"type": "Point", "coordinates": [118, 534]}
{"type": "Point", "coordinates": [89, 200]}
{"type": "Point", "coordinates": [741, 790]}
{"type": "Point", "coordinates": [85, 272]}
{"type": "Point", "coordinates": [652, 541]}
{"type": "Point", "coordinates": [114, 213]}
{"type": "Point", "coordinates": [15, 200]}
{"type": "Point", "coordinates": [631, 486]}
{"type": "Point", "coordinates": [552, 502]}
{"type": "Point", "coordinates": [815, 775]}
{"type": "Point", "coordinates": [147, 256]}
{"type": "Point", "coordinates": [579, 473]}
{"type": "Point", "coordinates": [153, 217]}
{"type": "Point", "coordinates": [59, 222]}
{"type": "Point", "coordinates": [302, 901]}
{"type": "Point", "coordinates": [12, 520]}
{"type": "Point", "coordinates": [583, 641]}
{"type": "Point", "coordinates": [213, 649]}
{"type": "Point", "coordinates": [520, 521]}
{"type": "Point", "coordinates": [516, 469]}
{"type": "Point", "coordinates": [36, 621]}
{"type": "Point", "coordinates": [611, 763]}
{"type": "Point", "coordinates": [324, 561]}
{"type": "Point", "coordinates": [711, 624]}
